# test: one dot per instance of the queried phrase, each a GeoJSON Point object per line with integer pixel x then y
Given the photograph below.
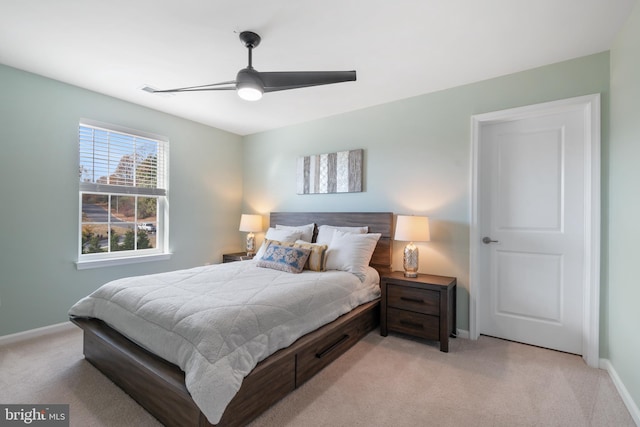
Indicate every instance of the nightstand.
{"type": "Point", "coordinates": [424, 306]}
{"type": "Point", "coordinates": [237, 256]}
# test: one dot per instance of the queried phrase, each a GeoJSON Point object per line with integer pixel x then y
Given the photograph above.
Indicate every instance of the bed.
{"type": "Point", "coordinates": [159, 386]}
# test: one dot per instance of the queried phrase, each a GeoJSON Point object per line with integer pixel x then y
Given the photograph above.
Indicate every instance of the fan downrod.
{"type": "Point", "coordinates": [250, 39]}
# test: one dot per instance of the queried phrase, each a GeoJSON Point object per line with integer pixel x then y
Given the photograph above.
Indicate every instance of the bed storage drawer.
{"type": "Point", "coordinates": [416, 324]}
{"type": "Point", "coordinates": [324, 350]}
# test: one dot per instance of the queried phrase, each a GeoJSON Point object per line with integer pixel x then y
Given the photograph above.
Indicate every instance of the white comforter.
{"type": "Point", "coordinates": [217, 322]}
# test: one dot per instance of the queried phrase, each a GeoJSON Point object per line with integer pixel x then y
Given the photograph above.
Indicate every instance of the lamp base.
{"type": "Point", "coordinates": [410, 260]}
{"type": "Point", "coordinates": [251, 244]}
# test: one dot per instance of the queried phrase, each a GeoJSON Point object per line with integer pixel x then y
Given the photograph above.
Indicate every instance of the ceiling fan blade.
{"type": "Point", "coordinates": [213, 86]}
{"type": "Point", "coordinates": [283, 80]}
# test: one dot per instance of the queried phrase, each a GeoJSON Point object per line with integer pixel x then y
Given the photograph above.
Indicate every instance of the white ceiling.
{"type": "Point", "coordinates": [399, 48]}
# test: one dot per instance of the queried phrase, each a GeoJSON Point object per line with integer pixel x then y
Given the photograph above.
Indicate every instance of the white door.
{"type": "Point", "coordinates": [532, 209]}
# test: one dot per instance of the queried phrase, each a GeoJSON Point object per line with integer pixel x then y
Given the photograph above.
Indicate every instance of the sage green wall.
{"type": "Point", "coordinates": [417, 157]}
{"type": "Point", "coordinates": [39, 195]}
{"type": "Point", "coordinates": [624, 207]}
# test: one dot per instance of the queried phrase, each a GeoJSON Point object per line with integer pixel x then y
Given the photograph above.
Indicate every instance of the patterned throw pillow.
{"type": "Point", "coordinates": [284, 258]}
{"type": "Point", "coordinates": [268, 242]}
{"type": "Point", "coordinates": [280, 236]}
{"type": "Point", "coordinates": [317, 258]}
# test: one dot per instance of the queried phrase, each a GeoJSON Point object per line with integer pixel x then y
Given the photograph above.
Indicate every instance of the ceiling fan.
{"type": "Point", "coordinates": [251, 84]}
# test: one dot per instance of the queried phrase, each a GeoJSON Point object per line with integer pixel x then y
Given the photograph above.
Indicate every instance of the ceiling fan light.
{"type": "Point", "coordinates": [249, 93]}
{"type": "Point", "coordinates": [249, 85]}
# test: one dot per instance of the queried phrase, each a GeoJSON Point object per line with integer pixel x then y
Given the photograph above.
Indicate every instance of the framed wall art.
{"type": "Point", "coordinates": [339, 172]}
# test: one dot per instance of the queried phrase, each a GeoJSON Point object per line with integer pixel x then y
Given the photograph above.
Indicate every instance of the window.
{"type": "Point", "coordinates": [123, 192]}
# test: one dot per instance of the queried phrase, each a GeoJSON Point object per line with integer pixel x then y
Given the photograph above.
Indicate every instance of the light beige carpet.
{"type": "Point", "coordinates": [390, 381]}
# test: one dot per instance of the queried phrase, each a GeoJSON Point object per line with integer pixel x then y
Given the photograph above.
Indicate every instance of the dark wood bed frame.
{"type": "Point", "coordinates": [159, 386]}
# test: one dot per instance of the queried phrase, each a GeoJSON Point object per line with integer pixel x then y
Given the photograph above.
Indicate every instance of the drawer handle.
{"type": "Point", "coordinates": [412, 324]}
{"type": "Point", "coordinates": [332, 347]}
{"type": "Point", "coordinates": [418, 300]}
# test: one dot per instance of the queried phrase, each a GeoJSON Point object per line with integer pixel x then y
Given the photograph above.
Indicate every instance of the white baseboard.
{"type": "Point", "coordinates": [36, 333]}
{"type": "Point", "coordinates": [622, 390]}
{"type": "Point", "coordinates": [462, 333]}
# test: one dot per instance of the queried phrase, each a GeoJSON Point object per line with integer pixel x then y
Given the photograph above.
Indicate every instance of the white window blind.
{"type": "Point", "coordinates": [112, 161]}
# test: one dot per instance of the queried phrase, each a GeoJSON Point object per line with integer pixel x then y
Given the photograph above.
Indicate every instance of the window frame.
{"type": "Point", "coordinates": [161, 249]}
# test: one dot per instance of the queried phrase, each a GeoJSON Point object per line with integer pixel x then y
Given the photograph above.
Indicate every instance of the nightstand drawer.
{"type": "Point", "coordinates": [418, 300]}
{"type": "Point", "coordinates": [416, 324]}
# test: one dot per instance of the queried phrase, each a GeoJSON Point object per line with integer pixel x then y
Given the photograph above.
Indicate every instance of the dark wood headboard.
{"type": "Point", "coordinates": [378, 222]}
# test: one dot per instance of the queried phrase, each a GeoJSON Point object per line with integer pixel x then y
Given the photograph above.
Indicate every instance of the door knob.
{"type": "Point", "coordinates": [486, 240]}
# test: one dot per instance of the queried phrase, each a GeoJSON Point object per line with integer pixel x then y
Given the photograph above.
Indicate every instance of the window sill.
{"type": "Point", "coordinates": [109, 262]}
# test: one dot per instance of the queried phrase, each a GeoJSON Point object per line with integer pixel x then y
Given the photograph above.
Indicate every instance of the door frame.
{"type": "Point", "coordinates": [590, 105]}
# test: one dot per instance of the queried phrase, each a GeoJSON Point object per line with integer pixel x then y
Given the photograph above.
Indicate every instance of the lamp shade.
{"type": "Point", "coordinates": [412, 229]}
{"type": "Point", "coordinates": [251, 223]}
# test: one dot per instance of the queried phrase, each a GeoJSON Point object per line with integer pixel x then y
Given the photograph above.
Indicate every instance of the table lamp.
{"type": "Point", "coordinates": [251, 224]}
{"type": "Point", "coordinates": [412, 229]}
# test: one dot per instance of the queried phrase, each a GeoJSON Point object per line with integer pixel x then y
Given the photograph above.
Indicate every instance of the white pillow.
{"type": "Point", "coordinates": [325, 232]}
{"type": "Point", "coordinates": [307, 230]}
{"type": "Point", "coordinates": [351, 252]}
{"type": "Point", "coordinates": [279, 235]}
